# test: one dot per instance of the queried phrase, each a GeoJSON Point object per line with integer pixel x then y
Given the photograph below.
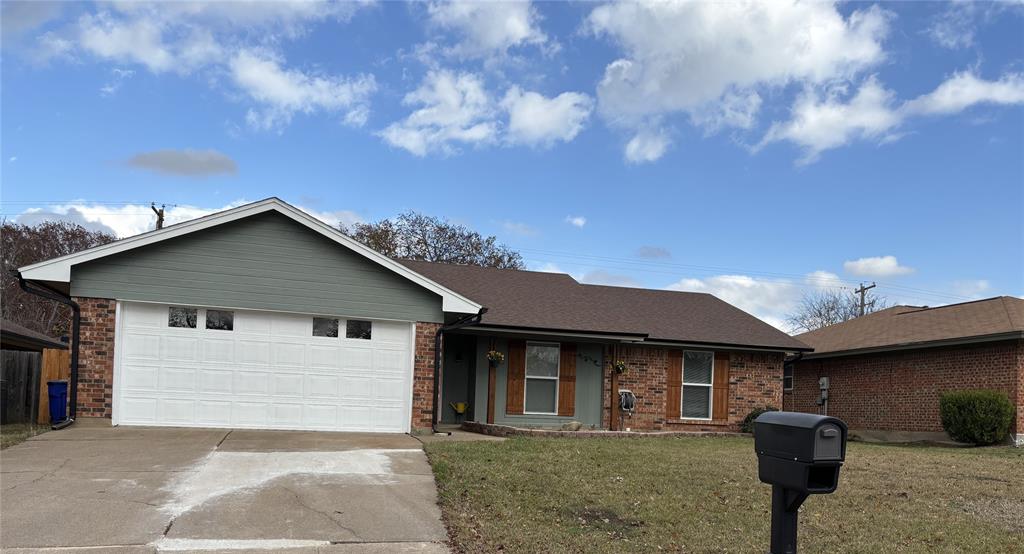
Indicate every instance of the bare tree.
{"type": "Point", "coordinates": [22, 245]}
{"type": "Point", "coordinates": [415, 236]}
{"type": "Point", "coordinates": [828, 307]}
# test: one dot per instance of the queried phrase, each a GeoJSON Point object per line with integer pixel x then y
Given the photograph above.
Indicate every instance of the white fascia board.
{"type": "Point", "coordinates": [59, 269]}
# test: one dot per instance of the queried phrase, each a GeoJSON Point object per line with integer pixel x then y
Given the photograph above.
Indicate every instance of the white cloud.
{"type": "Point", "coordinates": [453, 108]}
{"type": "Point", "coordinates": [519, 228]}
{"type": "Point", "coordinates": [647, 146]}
{"type": "Point", "coordinates": [547, 267]}
{"type": "Point", "coordinates": [819, 124]}
{"type": "Point", "coordinates": [976, 288]}
{"type": "Point", "coordinates": [965, 89]}
{"type": "Point", "coordinates": [699, 57]}
{"type": "Point", "coordinates": [771, 300]}
{"type": "Point", "coordinates": [576, 220]}
{"type": "Point", "coordinates": [954, 27]}
{"type": "Point", "coordinates": [132, 219]}
{"type": "Point", "coordinates": [537, 120]}
{"type": "Point", "coordinates": [139, 41]}
{"type": "Point", "coordinates": [487, 28]}
{"type": "Point", "coordinates": [876, 266]}
{"type": "Point", "coordinates": [822, 122]}
{"type": "Point", "coordinates": [286, 92]}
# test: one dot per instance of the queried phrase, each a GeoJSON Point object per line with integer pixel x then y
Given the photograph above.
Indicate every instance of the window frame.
{"type": "Point", "coordinates": [556, 378]}
{"type": "Point", "coordinates": [710, 386]}
{"type": "Point", "coordinates": [787, 368]}
{"type": "Point", "coordinates": [206, 319]}
{"type": "Point", "coordinates": [337, 330]}
{"type": "Point", "coordinates": [353, 320]}
{"type": "Point", "coordinates": [186, 308]}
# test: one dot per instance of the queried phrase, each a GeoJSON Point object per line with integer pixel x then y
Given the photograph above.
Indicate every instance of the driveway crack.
{"type": "Point", "coordinates": [300, 502]}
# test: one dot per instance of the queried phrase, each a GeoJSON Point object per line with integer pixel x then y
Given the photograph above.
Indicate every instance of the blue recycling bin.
{"type": "Point", "coordinates": [58, 392]}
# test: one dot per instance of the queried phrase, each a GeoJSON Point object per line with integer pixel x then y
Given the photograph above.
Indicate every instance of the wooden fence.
{"type": "Point", "coordinates": [24, 395]}
{"type": "Point", "coordinates": [56, 367]}
{"type": "Point", "coordinates": [19, 386]}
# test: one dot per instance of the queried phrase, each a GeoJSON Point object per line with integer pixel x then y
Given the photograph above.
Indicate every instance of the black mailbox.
{"type": "Point", "coordinates": [798, 454]}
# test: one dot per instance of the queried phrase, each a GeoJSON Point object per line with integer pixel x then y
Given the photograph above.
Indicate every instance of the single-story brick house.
{"type": "Point", "coordinates": [262, 316]}
{"type": "Point", "coordinates": [887, 370]}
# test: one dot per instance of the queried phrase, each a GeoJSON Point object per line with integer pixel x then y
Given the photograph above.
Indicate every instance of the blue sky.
{"type": "Point", "coordinates": [754, 151]}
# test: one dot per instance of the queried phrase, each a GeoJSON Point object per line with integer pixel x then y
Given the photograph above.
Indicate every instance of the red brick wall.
{"type": "Point", "coordinates": [755, 380]}
{"type": "Point", "coordinates": [96, 357]}
{"type": "Point", "coordinates": [423, 375]}
{"type": "Point", "coordinates": [899, 391]}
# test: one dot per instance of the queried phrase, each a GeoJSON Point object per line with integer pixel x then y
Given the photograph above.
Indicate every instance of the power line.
{"type": "Point", "coordinates": [720, 269]}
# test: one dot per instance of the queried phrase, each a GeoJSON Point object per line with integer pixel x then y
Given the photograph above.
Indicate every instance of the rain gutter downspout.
{"type": "Point", "coordinates": [76, 323]}
{"type": "Point", "coordinates": [465, 321]}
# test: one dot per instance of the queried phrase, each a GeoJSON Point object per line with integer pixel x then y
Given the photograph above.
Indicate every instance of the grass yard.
{"type": "Point", "coordinates": [702, 495]}
{"type": "Point", "coordinates": [14, 433]}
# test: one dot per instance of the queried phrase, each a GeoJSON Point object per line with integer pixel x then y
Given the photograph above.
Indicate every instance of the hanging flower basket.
{"type": "Point", "coordinates": [494, 357]}
{"type": "Point", "coordinates": [620, 367]}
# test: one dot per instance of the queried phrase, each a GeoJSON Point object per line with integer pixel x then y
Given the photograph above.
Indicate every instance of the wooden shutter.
{"type": "Point", "coordinates": [567, 381]}
{"type": "Point", "coordinates": [674, 384]}
{"type": "Point", "coordinates": [720, 387]}
{"type": "Point", "coordinates": [515, 390]}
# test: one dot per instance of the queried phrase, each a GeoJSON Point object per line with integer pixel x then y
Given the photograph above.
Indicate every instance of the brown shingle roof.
{"type": "Point", "coordinates": [900, 326]}
{"type": "Point", "coordinates": [20, 336]}
{"type": "Point", "coordinates": [556, 301]}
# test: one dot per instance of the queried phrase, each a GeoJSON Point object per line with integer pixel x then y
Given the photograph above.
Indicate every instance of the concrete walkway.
{"type": "Point", "coordinates": [132, 489]}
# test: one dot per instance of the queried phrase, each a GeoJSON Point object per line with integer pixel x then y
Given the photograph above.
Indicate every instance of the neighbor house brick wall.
{"type": "Point", "coordinates": [900, 390]}
{"type": "Point", "coordinates": [96, 357]}
{"type": "Point", "coordinates": [755, 380]}
{"type": "Point", "coordinates": [423, 375]}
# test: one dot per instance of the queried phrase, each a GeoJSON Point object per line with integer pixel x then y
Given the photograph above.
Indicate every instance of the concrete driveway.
{"type": "Point", "coordinates": [148, 489]}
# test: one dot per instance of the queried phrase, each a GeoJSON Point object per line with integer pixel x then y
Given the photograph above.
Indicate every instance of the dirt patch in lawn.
{"type": "Point", "coordinates": [15, 433]}
{"type": "Point", "coordinates": [607, 521]}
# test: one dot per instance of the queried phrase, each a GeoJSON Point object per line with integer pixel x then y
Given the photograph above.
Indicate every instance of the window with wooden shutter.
{"type": "Point", "coordinates": [514, 391]}
{"type": "Point", "coordinates": [673, 384]}
{"type": "Point", "coordinates": [721, 386]}
{"type": "Point", "coordinates": [567, 381]}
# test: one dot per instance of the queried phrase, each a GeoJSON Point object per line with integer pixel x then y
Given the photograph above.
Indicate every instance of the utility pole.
{"type": "Point", "coordinates": [159, 214]}
{"type": "Point", "coordinates": [862, 291]}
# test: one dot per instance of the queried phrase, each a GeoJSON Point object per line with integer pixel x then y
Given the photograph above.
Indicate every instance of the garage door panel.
{"type": "Point", "coordinates": [218, 350]}
{"type": "Point", "coordinates": [253, 352]}
{"type": "Point", "coordinates": [268, 371]}
{"type": "Point", "coordinates": [176, 379]}
{"type": "Point", "coordinates": [289, 354]}
{"type": "Point", "coordinates": [325, 356]}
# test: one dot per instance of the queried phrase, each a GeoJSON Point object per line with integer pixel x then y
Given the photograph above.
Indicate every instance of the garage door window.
{"type": "Point", "coordinates": [325, 327]}
{"type": "Point", "coordinates": [358, 329]}
{"type": "Point", "coordinates": [181, 317]}
{"type": "Point", "coordinates": [220, 320]}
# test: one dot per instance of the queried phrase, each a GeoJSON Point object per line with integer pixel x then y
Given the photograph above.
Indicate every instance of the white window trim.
{"type": "Point", "coordinates": [526, 376]}
{"type": "Point", "coordinates": [710, 386]}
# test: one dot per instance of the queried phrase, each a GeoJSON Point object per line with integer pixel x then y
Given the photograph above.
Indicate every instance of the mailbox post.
{"type": "Point", "coordinates": [798, 455]}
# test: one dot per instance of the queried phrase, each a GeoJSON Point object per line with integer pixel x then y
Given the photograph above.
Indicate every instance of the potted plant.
{"type": "Point", "coordinates": [620, 367]}
{"type": "Point", "coordinates": [494, 357]}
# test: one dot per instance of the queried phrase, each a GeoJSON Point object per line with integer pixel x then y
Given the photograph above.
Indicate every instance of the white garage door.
{"type": "Point", "coordinates": [198, 367]}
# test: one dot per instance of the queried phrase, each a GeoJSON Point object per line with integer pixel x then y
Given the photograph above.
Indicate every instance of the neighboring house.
{"type": "Point", "coordinates": [887, 370]}
{"type": "Point", "coordinates": [264, 317]}
{"type": "Point", "coordinates": [18, 337]}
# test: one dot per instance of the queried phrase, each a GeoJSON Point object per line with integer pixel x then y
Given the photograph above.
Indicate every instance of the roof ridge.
{"type": "Point", "coordinates": [474, 266]}
{"type": "Point", "coordinates": [928, 308]}
{"type": "Point", "coordinates": [645, 289]}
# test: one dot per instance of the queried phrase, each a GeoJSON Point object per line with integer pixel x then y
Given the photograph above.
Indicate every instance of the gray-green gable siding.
{"type": "Point", "coordinates": [264, 262]}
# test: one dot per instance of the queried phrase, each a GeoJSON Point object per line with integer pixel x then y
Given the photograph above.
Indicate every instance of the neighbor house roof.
{"type": "Point", "coordinates": [903, 327]}
{"type": "Point", "coordinates": [19, 337]}
{"type": "Point", "coordinates": [58, 270]}
{"type": "Point", "coordinates": [556, 301]}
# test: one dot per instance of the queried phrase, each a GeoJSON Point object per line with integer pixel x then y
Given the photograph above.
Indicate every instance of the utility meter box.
{"type": "Point", "coordinates": [801, 452]}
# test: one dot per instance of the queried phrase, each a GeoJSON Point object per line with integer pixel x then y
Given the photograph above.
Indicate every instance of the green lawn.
{"type": "Point", "coordinates": [702, 495]}
{"type": "Point", "coordinates": [13, 433]}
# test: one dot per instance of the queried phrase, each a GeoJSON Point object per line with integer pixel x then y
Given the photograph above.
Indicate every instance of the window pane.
{"type": "Point", "coordinates": [696, 401]}
{"type": "Point", "coordinates": [357, 329]}
{"type": "Point", "coordinates": [542, 360]}
{"type": "Point", "coordinates": [221, 320]}
{"type": "Point", "coordinates": [540, 395]}
{"type": "Point", "coordinates": [697, 367]}
{"type": "Point", "coordinates": [181, 317]}
{"type": "Point", "coordinates": [787, 383]}
{"type": "Point", "coordinates": [325, 327]}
